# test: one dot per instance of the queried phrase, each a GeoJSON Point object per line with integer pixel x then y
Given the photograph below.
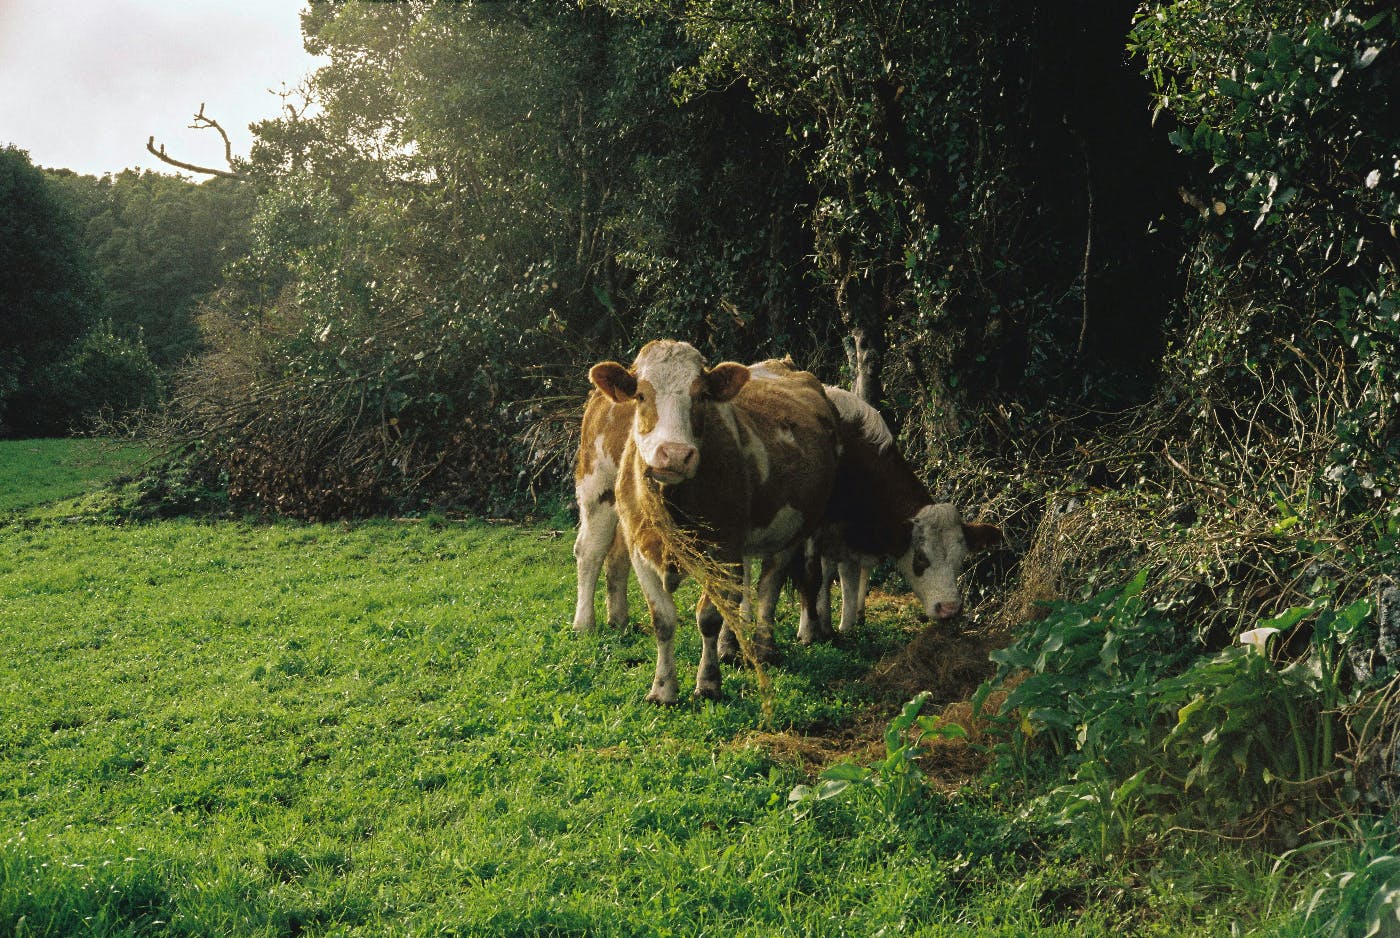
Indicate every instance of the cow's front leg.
{"type": "Point", "coordinates": [707, 676]}
{"type": "Point", "coordinates": [664, 686]}
{"type": "Point", "coordinates": [618, 568]}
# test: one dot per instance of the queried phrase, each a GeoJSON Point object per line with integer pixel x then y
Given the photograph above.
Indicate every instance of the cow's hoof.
{"type": "Point", "coordinates": [817, 635]}
{"type": "Point", "coordinates": [728, 649]}
{"type": "Point", "coordinates": [620, 626]}
{"type": "Point", "coordinates": [663, 693]}
{"type": "Point", "coordinates": [582, 627]}
{"type": "Point", "coordinates": [765, 652]}
{"type": "Point", "coordinates": [708, 692]}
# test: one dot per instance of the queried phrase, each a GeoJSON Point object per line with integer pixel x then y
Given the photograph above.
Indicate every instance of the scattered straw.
{"type": "Point", "coordinates": [721, 583]}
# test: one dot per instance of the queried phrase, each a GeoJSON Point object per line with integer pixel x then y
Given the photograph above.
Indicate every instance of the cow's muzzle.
{"type": "Point", "coordinates": [673, 462]}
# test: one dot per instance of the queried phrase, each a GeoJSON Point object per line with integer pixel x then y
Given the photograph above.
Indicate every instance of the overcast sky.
{"type": "Point", "coordinates": [83, 83]}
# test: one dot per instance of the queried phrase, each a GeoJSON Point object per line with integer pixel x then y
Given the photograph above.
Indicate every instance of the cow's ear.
{"type": "Point", "coordinates": [725, 380]}
{"type": "Point", "coordinates": [981, 536]}
{"type": "Point", "coordinates": [613, 380]}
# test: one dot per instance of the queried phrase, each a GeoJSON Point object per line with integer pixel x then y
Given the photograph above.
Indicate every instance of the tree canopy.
{"type": "Point", "coordinates": [49, 297]}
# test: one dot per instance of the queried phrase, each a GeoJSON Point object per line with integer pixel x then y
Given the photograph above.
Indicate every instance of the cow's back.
{"type": "Point", "coordinates": [789, 432]}
{"type": "Point", "coordinates": [876, 490]}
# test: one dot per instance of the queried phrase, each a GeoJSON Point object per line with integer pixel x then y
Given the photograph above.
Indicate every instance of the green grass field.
{"type": "Point", "coordinates": [389, 729]}
{"type": "Point", "coordinates": [36, 471]}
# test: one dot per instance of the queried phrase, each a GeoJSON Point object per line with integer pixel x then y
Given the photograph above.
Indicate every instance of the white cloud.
{"type": "Point", "coordinates": [83, 83]}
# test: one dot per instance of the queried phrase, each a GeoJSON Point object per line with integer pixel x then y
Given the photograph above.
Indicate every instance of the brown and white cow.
{"type": "Point", "coordinates": [600, 544]}
{"type": "Point", "coordinates": [880, 509]}
{"type": "Point", "coordinates": [747, 476]}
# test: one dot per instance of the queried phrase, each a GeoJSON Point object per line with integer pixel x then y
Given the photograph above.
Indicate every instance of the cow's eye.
{"type": "Point", "coordinates": [640, 397]}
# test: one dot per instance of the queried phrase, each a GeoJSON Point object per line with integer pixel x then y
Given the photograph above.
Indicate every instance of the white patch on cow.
{"type": "Point", "coordinates": [853, 410]}
{"type": "Point", "coordinates": [770, 370]}
{"type": "Point", "coordinates": [604, 472]}
{"type": "Point", "coordinates": [671, 368]}
{"type": "Point", "coordinates": [778, 534]}
{"type": "Point", "coordinates": [730, 421]}
{"type": "Point", "coordinates": [785, 437]}
{"type": "Point", "coordinates": [757, 455]}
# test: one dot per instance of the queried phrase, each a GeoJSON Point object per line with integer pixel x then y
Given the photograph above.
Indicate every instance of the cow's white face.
{"type": "Point", "coordinates": [671, 385]}
{"type": "Point", "coordinates": [939, 546]}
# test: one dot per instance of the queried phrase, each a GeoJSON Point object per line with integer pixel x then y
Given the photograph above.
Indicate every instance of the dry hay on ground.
{"type": "Point", "coordinates": [950, 663]}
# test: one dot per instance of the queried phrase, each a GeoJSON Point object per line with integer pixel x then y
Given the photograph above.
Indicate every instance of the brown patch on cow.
{"type": "Point", "coordinates": [921, 561]}
{"type": "Point", "coordinates": [876, 494]}
{"type": "Point", "coordinates": [646, 406]}
{"type": "Point", "coordinates": [601, 418]}
{"type": "Point", "coordinates": [607, 498]}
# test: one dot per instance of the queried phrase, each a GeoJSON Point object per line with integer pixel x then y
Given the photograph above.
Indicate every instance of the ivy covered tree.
{"type": "Point", "coordinates": [977, 223]}
{"type": "Point", "coordinates": [1287, 111]}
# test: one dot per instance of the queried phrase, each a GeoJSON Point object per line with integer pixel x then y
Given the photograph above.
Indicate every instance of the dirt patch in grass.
{"type": "Point", "coordinates": [951, 660]}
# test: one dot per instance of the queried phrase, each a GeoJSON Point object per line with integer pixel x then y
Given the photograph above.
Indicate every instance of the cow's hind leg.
{"type": "Point", "coordinates": [729, 644]}
{"type": "Point", "coordinates": [770, 585]}
{"type": "Point", "coordinates": [664, 686]}
{"type": "Point", "coordinates": [814, 598]}
{"type": "Point", "coordinates": [828, 574]}
{"type": "Point", "coordinates": [855, 584]}
{"type": "Point", "coordinates": [771, 577]}
{"type": "Point", "coordinates": [597, 527]}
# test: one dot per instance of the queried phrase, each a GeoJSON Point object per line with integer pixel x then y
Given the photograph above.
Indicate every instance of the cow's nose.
{"type": "Point", "coordinates": [676, 456]}
{"type": "Point", "coordinates": [946, 610]}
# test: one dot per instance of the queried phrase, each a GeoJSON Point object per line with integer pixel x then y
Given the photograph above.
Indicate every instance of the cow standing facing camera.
{"type": "Point", "coordinates": [738, 476]}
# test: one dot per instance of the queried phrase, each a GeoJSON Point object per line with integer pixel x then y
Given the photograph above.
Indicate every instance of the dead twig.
{"type": "Point", "coordinates": [201, 122]}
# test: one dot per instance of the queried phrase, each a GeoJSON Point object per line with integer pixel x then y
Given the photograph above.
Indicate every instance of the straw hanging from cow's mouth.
{"type": "Point", "coordinates": [719, 581]}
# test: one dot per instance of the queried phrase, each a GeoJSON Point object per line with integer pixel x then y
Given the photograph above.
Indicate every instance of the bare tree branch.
{"type": "Point", "coordinates": [201, 122]}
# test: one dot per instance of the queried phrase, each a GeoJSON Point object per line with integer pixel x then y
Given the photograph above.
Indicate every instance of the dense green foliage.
{"type": "Point", "coordinates": [48, 296]}
{"type": "Point", "coordinates": [102, 278]}
{"type": "Point", "coordinates": [1295, 273]}
{"type": "Point", "coordinates": [158, 245]}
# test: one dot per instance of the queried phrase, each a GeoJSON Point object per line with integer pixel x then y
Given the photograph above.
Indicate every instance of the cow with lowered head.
{"type": "Point", "coordinates": [880, 509]}
{"type": "Point", "coordinates": [748, 475]}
